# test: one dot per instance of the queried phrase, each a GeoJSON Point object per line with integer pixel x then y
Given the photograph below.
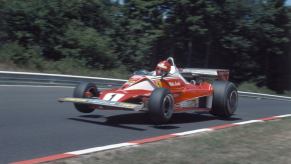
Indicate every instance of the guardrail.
{"type": "Point", "coordinates": [30, 78]}
{"type": "Point", "coordinates": [264, 96]}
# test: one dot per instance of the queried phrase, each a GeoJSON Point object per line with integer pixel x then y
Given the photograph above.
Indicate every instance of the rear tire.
{"type": "Point", "coordinates": [225, 99]}
{"type": "Point", "coordinates": [161, 105]}
{"type": "Point", "coordinates": [85, 90]}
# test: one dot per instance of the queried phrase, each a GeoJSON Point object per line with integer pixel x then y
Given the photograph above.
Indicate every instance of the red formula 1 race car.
{"type": "Point", "coordinates": [162, 94]}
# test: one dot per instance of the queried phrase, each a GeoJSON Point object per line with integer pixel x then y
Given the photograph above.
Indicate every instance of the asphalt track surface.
{"type": "Point", "coordinates": [33, 124]}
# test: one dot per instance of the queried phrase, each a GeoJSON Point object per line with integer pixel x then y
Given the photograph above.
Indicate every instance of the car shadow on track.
{"type": "Point", "coordinates": [132, 121]}
{"type": "Point", "coordinates": [106, 124]}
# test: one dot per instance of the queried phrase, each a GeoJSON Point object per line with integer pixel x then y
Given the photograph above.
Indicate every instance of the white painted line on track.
{"type": "Point", "coordinates": [134, 143]}
{"type": "Point", "coordinates": [193, 132]}
{"type": "Point", "coordinates": [102, 148]}
{"type": "Point", "coordinates": [285, 115]}
{"type": "Point", "coordinates": [247, 122]}
{"type": "Point", "coordinates": [263, 94]}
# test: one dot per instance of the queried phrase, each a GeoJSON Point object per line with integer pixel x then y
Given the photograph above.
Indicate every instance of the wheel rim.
{"type": "Point", "coordinates": [167, 106]}
{"type": "Point", "coordinates": [232, 101]}
{"type": "Point", "coordinates": [90, 92]}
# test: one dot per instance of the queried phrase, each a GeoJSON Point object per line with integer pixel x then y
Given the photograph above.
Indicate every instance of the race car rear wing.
{"type": "Point", "coordinates": [217, 74]}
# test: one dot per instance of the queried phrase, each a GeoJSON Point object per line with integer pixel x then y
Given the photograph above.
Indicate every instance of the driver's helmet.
{"type": "Point", "coordinates": [163, 68]}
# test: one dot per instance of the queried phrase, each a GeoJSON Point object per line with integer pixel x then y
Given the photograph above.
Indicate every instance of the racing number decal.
{"type": "Point", "coordinates": [113, 96]}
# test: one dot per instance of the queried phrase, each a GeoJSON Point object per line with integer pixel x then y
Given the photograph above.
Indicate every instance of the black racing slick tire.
{"type": "Point", "coordinates": [225, 99]}
{"type": "Point", "coordinates": [85, 90]}
{"type": "Point", "coordinates": [161, 106]}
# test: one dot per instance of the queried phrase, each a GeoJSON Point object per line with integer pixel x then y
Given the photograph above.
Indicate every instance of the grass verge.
{"type": "Point", "coordinates": [258, 143]}
{"type": "Point", "coordinates": [251, 87]}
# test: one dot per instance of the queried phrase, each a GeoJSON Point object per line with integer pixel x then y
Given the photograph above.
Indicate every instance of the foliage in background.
{"type": "Point", "coordinates": [252, 87]}
{"type": "Point", "coordinates": [251, 38]}
{"type": "Point", "coordinates": [59, 29]}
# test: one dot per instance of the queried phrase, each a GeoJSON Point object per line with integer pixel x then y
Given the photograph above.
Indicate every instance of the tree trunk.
{"type": "Point", "coordinates": [289, 69]}
{"type": "Point", "coordinates": [190, 53]}
{"type": "Point", "coordinates": [208, 51]}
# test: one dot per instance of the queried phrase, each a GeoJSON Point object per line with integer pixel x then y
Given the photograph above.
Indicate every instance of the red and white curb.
{"type": "Point", "coordinates": [143, 141]}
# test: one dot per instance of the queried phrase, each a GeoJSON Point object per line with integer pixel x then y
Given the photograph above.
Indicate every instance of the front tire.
{"type": "Point", "coordinates": [85, 90]}
{"type": "Point", "coordinates": [225, 99]}
{"type": "Point", "coordinates": [161, 105]}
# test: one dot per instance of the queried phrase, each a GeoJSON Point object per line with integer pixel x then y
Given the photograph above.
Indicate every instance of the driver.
{"type": "Point", "coordinates": [163, 68]}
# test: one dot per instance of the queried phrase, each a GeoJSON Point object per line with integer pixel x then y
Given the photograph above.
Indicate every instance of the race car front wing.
{"type": "Point", "coordinates": [104, 104]}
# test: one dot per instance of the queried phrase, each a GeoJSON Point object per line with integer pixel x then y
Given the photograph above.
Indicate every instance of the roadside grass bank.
{"type": "Point", "coordinates": [251, 87]}
{"type": "Point", "coordinates": [258, 143]}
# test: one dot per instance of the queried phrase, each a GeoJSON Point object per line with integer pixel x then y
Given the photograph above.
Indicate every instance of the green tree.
{"type": "Point", "coordinates": [239, 35]}
{"type": "Point", "coordinates": [140, 25]}
{"type": "Point", "coordinates": [61, 29]}
{"type": "Point", "coordinates": [271, 41]}
{"type": "Point", "coordinates": [250, 37]}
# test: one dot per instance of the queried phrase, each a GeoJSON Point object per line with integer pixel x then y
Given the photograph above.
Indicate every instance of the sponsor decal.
{"type": "Point", "coordinates": [174, 84]}
{"type": "Point", "coordinates": [130, 81]}
{"type": "Point", "coordinates": [176, 95]}
{"type": "Point", "coordinates": [128, 105]}
{"type": "Point", "coordinates": [102, 102]}
{"type": "Point", "coordinates": [159, 83]}
{"type": "Point", "coordinates": [97, 102]}
{"type": "Point", "coordinates": [112, 103]}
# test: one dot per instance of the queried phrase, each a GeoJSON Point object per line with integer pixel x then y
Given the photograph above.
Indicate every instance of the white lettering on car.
{"type": "Point", "coordinates": [174, 84]}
